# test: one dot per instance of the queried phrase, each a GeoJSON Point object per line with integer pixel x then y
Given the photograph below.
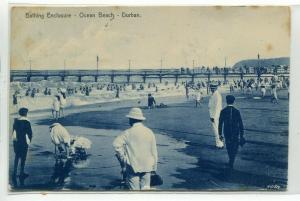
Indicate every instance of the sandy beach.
{"type": "Point", "coordinates": [188, 159]}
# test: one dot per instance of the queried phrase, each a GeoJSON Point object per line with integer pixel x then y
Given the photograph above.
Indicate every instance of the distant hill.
{"type": "Point", "coordinates": [263, 62]}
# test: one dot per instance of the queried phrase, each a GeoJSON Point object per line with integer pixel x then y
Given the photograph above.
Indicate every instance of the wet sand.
{"type": "Point", "coordinates": [188, 159]}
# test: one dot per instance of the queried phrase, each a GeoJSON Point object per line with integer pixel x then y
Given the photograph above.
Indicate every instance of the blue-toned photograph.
{"type": "Point", "coordinates": [155, 99]}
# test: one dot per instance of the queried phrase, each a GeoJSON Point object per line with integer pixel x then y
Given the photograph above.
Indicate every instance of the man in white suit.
{"type": "Point", "coordinates": [215, 107]}
{"type": "Point", "coordinates": [136, 148]}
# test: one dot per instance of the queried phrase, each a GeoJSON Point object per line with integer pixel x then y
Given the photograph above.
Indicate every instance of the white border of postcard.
{"type": "Point", "coordinates": [294, 126]}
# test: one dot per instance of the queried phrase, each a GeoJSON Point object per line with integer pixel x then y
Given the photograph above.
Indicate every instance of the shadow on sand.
{"type": "Point", "coordinates": [208, 174]}
{"type": "Point", "coordinates": [218, 174]}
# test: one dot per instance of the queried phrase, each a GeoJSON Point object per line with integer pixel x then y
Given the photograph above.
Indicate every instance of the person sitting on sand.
{"type": "Point", "coordinates": [162, 105]}
{"type": "Point", "coordinates": [60, 138]}
{"type": "Point", "coordinates": [56, 107]}
{"type": "Point", "coordinates": [136, 150]}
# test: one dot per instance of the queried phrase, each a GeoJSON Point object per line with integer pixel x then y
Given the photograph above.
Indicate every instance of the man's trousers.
{"type": "Point", "coordinates": [138, 181]}
{"type": "Point", "coordinates": [232, 149]}
{"type": "Point", "coordinates": [215, 125]}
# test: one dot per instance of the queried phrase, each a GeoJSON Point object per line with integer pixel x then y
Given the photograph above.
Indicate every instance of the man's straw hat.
{"type": "Point", "coordinates": [136, 113]}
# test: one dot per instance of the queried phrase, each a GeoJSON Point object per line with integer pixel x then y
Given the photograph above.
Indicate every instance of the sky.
{"type": "Point", "coordinates": [171, 36]}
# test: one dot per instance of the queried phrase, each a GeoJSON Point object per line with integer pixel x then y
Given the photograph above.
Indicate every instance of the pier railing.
{"type": "Point", "coordinates": [144, 74]}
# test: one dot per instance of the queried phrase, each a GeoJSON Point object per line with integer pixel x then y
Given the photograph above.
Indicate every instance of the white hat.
{"type": "Point", "coordinates": [213, 86]}
{"type": "Point", "coordinates": [63, 90]}
{"type": "Point", "coordinates": [136, 113]}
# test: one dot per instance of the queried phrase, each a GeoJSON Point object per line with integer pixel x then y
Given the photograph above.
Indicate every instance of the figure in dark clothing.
{"type": "Point", "coordinates": [27, 92]}
{"type": "Point", "coordinates": [118, 92]}
{"type": "Point", "coordinates": [46, 91]}
{"type": "Point", "coordinates": [230, 122]}
{"type": "Point", "coordinates": [22, 136]}
{"type": "Point", "coordinates": [15, 99]}
{"type": "Point", "coordinates": [186, 91]}
{"type": "Point", "coordinates": [33, 93]}
{"type": "Point", "coordinates": [151, 101]}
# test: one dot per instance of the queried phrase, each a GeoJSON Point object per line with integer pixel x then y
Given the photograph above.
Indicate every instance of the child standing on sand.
{"type": "Point", "coordinates": [15, 100]}
{"type": "Point", "coordinates": [198, 98]}
{"type": "Point", "coordinates": [56, 107]}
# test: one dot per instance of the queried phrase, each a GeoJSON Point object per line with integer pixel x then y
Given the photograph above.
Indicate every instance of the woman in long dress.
{"type": "Point", "coordinates": [63, 102]}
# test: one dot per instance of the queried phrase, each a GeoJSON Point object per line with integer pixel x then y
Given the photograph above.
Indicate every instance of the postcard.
{"type": "Point", "coordinates": [149, 98]}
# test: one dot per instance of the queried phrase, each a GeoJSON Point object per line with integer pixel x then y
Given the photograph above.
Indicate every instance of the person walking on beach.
{"type": "Point", "coordinates": [56, 107]}
{"type": "Point", "coordinates": [231, 88]}
{"type": "Point", "coordinates": [22, 136]}
{"type": "Point", "coordinates": [15, 100]}
{"type": "Point", "coordinates": [263, 89]}
{"type": "Point", "coordinates": [186, 90]}
{"type": "Point", "coordinates": [274, 98]}
{"type": "Point", "coordinates": [117, 91]}
{"type": "Point", "coordinates": [250, 86]}
{"type": "Point", "coordinates": [198, 98]}
{"type": "Point", "coordinates": [215, 107]}
{"type": "Point", "coordinates": [136, 148]}
{"type": "Point", "coordinates": [46, 91]}
{"type": "Point", "coordinates": [33, 92]}
{"type": "Point", "coordinates": [49, 92]}
{"type": "Point", "coordinates": [231, 124]}
{"type": "Point", "coordinates": [151, 101]}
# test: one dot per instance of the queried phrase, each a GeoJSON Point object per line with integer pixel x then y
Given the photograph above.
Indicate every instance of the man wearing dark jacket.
{"type": "Point", "coordinates": [22, 135]}
{"type": "Point", "coordinates": [151, 102]}
{"type": "Point", "coordinates": [230, 122]}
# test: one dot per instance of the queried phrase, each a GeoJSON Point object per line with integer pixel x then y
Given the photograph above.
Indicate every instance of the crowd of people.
{"type": "Point", "coordinates": [60, 95]}
{"type": "Point", "coordinates": [136, 147]}
{"type": "Point", "coordinates": [262, 85]}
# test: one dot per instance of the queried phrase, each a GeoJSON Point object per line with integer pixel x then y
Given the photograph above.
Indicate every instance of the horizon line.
{"type": "Point", "coordinates": [145, 68]}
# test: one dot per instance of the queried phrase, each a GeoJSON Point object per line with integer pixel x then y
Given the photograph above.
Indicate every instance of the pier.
{"type": "Point", "coordinates": [143, 74]}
